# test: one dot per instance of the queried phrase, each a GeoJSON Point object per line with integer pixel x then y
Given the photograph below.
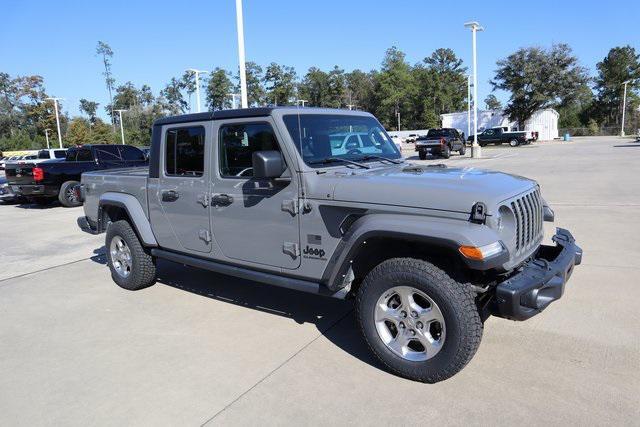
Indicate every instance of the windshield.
{"type": "Point", "coordinates": [322, 136]}
{"type": "Point", "coordinates": [438, 133]}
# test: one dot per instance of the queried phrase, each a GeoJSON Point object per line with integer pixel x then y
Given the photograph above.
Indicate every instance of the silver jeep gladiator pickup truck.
{"type": "Point", "coordinates": [427, 252]}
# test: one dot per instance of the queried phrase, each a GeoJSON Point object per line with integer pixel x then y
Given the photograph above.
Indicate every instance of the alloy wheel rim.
{"type": "Point", "coordinates": [120, 256]}
{"type": "Point", "coordinates": [410, 323]}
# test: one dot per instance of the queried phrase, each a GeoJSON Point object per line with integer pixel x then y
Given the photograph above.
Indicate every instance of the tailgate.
{"type": "Point", "coordinates": [19, 173]}
{"type": "Point", "coordinates": [428, 142]}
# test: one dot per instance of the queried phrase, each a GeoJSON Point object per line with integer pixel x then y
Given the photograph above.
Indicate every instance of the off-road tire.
{"type": "Point", "coordinates": [446, 152]}
{"type": "Point", "coordinates": [514, 143]}
{"type": "Point", "coordinates": [422, 155]}
{"type": "Point", "coordinates": [455, 300]}
{"type": "Point", "coordinates": [462, 150]}
{"type": "Point", "coordinates": [64, 197]}
{"type": "Point", "coordinates": [143, 270]}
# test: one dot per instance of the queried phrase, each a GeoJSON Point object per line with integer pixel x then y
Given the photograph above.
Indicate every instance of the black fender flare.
{"type": "Point", "coordinates": [132, 206]}
{"type": "Point", "coordinates": [435, 231]}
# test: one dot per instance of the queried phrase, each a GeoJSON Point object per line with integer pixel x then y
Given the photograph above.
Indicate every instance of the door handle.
{"type": "Point", "coordinates": [170, 196]}
{"type": "Point", "coordinates": [222, 200]}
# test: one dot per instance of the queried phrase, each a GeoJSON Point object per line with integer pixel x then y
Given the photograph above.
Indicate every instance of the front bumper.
{"type": "Point", "coordinates": [540, 281]}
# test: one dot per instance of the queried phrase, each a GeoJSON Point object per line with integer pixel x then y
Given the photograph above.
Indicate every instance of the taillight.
{"type": "Point", "coordinates": [38, 174]}
{"type": "Point", "coordinates": [442, 141]}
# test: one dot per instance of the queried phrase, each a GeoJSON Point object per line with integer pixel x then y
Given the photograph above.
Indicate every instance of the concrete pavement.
{"type": "Point", "coordinates": [199, 348]}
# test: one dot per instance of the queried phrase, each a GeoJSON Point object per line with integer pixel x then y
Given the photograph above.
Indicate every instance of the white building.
{"type": "Point", "coordinates": [545, 122]}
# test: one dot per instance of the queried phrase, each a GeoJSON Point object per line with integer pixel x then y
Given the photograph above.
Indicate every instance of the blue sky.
{"type": "Point", "coordinates": [156, 40]}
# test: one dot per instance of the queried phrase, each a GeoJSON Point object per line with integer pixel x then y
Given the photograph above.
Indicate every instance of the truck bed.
{"type": "Point", "coordinates": [131, 181]}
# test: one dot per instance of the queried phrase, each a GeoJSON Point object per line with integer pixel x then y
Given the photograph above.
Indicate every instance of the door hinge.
{"type": "Point", "coordinates": [290, 206]}
{"type": "Point", "coordinates": [291, 249]}
{"type": "Point", "coordinates": [204, 235]}
{"type": "Point", "coordinates": [203, 199]}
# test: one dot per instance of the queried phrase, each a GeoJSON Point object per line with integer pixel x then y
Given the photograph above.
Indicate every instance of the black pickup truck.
{"type": "Point", "coordinates": [499, 136]}
{"type": "Point", "coordinates": [44, 182]}
{"type": "Point", "coordinates": [441, 142]}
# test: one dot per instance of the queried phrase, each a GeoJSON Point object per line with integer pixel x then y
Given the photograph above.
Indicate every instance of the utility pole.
{"type": "Point", "coordinates": [476, 151]}
{"type": "Point", "coordinates": [243, 68]}
{"type": "Point", "coordinates": [624, 105]}
{"type": "Point", "coordinates": [468, 106]}
{"type": "Point", "coordinates": [197, 74]}
{"type": "Point", "coordinates": [46, 135]}
{"type": "Point", "coordinates": [121, 128]}
{"type": "Point", "coordinates": [55, 105]}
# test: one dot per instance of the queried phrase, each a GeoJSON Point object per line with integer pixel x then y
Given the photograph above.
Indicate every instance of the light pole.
{"type": "Point", "coordinates": [233, 99]}
{"type": "Point", "coordinates": [352, 106]}
{"type": "Point", "coordinates": [46, 135]}
{"type": "Point", "coordinates": [301, 101]}
{"type": "Point", "coordinates": [55, 105]}
{"type": "Point", "coordinates": [476, 151]}
{"type": "Point", "coordinates": [243, 70]}
{"type": "Point", "coordinates": [197, 74]}
{"type": "Point", "coordinates": [624, 105]}
{"type": "Point", "coordinates": [468, 106]}
{"type": "Point", "coordinates": [121, 128]}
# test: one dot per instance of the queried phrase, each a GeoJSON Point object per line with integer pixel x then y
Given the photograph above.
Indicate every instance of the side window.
{"type": "Point", "coordinates": [488, 132]}
{"type": "Point", "coordinates": [107, 154]}
{"type": "Point", "coordinates": [59, 154]}
{"type": "Point", "coordinates": [84, 155]}
{"type": "Point", "coordinates": [131, 153]}
{"type": "Point", "coordinates": [184, 151]}
{"type": "Point", "coordinates": [71, 155]}
{"type": "Point", "coordinates": [237, 144]}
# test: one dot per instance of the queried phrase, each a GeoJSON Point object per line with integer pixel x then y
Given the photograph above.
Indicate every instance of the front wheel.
{"type": "Point", "coordinates": [132, 268]}
{"type": "Point", "coordinates": [514, 143]}
{"type": "Point", "coordinates": [422, 324]}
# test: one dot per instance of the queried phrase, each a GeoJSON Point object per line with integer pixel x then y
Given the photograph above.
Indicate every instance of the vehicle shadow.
{"type": "Point", "coordinates": [333, 318]}
{"type": "Point", "coordinates": [630, 145]}
{"type": "Point", "coordinates": [27, 205]}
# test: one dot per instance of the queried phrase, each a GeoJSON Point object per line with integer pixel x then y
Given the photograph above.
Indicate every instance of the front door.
{"type": "Point", "coordinates": [182, 191]}
{"type": "Point", "coordinates": [254, 220]}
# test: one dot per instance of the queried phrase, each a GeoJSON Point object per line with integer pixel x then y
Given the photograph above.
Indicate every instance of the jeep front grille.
{"type": "Point", "coordinates": [529, 218]}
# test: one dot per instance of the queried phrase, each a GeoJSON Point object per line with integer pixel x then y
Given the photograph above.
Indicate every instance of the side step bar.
{"type": "Point", "coordinates": [245, 273]}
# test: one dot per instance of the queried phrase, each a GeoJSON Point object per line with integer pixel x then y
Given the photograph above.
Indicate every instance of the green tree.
{"type": "Point", "coordinates": [101, 133]}
{"type": "Point", "coordinates": [78, 132]}
{"type": "Point", "coordinates": [395, 89]}
{"type": "Point", "coordinates": [492, 103]}
{"type": "Point", "coordinates": [314, 87]}
{"type": "Point", "coordinates": [359, 90]}
{"type": "Point", "coordinates": [219, 87]}
{"type": "Point", "coordinates": [255, 89]}
{"type": "Point", "coordinates": [280, 84]}
{"type": "Point", "coordinates": [172, 100]}
{"type": "Point", "coordinates": [104, 50]}
{"type": "Point", "coordinates": [89, 108]}
{"type": "Point", "coordinates": [539, 78]}
{"type": "Point", "coordinates": [621, 64]}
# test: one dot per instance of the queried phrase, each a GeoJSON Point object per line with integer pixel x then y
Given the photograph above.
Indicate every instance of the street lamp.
{"type": "Point", "coordinates": [624, 105]}
{"type": "Point", "coordinates": [301, 101]}
{"type": "Point", "coordinates": [46, 135]}
{"type": "Point", "coordinates": [468, 106]}
{"type": "Point", "coordinates": [55, 105]}
{"type": "Point", "coordinates": [197, 74]}
{"type": "Point", "coordinates": [243, 70]}
{"type": "Point", "coordinates": [121, 128]}
{"type": "Point", "coordinates": [476, 151]}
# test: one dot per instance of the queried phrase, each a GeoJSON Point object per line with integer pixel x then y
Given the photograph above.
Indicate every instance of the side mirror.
{"type": "Point", "coordinates": [267, 164]}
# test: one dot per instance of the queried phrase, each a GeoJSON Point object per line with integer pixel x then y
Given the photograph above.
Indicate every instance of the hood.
{"type": "Point", "coordinates": [441, 188]}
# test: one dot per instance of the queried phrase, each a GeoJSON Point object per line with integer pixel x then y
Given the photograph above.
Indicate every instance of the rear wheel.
{"type": "Point", "coordinates": [514, 142]}
{"type": "Point", "coordinates": [462, 150]}
{"type": "Point", "coordinates": [132, 268]}
{"type": "Point", "coordinates": [68, 195]}
{"type": "Point", "coordinates": [421, 323]}
{"type": "Point", "coordinates": [446, 152]}
{"type": "Point", "coordinates": [422, 155]}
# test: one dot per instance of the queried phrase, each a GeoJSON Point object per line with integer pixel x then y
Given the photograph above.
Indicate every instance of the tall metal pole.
{"type": "Point", "coordinates": [624, 105]}
{"type": "Point", "coordinates": [468, 106]}
{"type": "Point", "coordinates": [46, 135]}
{"type": "Point", "coordinates": [398, 113]}
{"type": "Point", "coordinates": [476, 151]}
{"type": "Point", "coordinates": [121, 127]}
{"type": "Point", "coordinates": [55, 105]}
{"type": "Point", "coordinates": [197, 75]}
{"type": "Point", "coordinates": [243, 70]}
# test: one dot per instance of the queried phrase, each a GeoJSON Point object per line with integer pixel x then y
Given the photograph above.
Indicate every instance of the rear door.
{"type": "Point", "coordinates": [183, 188]}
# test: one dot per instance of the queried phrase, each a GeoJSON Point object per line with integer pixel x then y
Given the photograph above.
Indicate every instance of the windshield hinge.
{"type": "Point", "coordinates": [290, 206]}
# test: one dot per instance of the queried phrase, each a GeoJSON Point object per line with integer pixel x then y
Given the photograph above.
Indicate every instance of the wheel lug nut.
{"type": "Point", "coordinates": [412, 332]}
{"type": "Point", "coordinates": [403, 313]}
{"type": "Point", "coordinates": [402, 325]}
{"type": "Point", "coordinates": [414, 314]}
{"type": "Point", "coordinates": [419, 325]}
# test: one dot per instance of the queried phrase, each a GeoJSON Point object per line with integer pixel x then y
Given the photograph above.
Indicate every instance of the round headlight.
{"type": "Point", "coordinates": [506, 224]}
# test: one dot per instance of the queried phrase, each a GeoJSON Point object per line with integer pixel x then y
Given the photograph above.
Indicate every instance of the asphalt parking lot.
{"type": "Point", "coordinates": [199, 348]}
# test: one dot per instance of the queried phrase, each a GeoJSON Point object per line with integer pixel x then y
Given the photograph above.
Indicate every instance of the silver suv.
{"type": "Point", "coordinates": [277, 195]}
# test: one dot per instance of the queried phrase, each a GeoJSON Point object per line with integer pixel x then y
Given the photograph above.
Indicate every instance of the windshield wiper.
{"type": "Point", "coordinates": [337, 159]}
{"type": "Point", "coordinates": [381, 158]}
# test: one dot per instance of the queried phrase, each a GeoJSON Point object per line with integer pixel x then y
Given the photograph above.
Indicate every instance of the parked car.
{"type": "Point", "coordinates": [440, 142]}
{"type": "Point", "coordinates": [426, 253]}
{"type": "Point", "coordinates": [44, 182]}
{"type": "Point", "coordinates": [50, 154]}
{"type": "Point", "coordinates": [6, 193]}
{"type": "Point", "coordinates": [411, 137]}
{"type": "Point", "coordinates": [499, 136]}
